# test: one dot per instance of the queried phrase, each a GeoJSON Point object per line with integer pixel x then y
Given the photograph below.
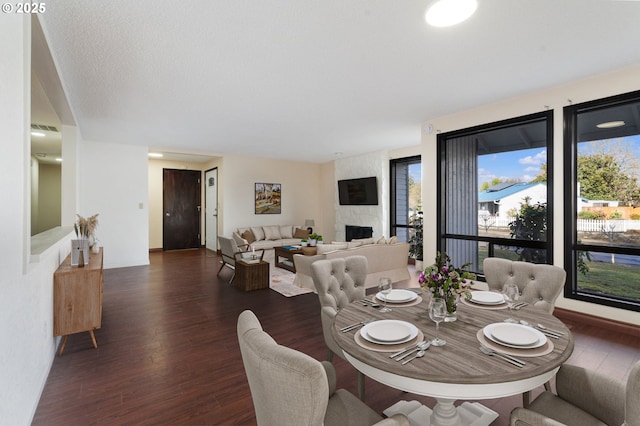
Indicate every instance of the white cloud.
{"type": "Point", "coordinates": [537, 159]}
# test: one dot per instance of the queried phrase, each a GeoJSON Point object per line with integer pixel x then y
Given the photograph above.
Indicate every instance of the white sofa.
{"type": "Point", "coordinates": [268, 237]}
{"type": "Point", "coordinates": [384, 260]}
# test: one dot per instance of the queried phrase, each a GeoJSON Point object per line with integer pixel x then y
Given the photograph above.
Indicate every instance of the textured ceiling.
{"type": "Point", "coordinates": [303, 79]}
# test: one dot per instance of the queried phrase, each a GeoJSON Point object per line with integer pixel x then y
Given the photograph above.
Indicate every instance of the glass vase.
{"type": "Point", "coordinates": [452, 308]}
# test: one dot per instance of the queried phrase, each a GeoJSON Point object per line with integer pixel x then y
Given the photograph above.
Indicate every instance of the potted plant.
{"type": "Point", "coordinates": [303, 242]}
{"type": "Point", "coordinates": [416, 241]}
{"type": "Point", "coordinates": [313, 239]}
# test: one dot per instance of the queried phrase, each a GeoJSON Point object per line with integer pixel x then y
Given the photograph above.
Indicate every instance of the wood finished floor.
{"type": "Point", "coordinates": [168, 352]}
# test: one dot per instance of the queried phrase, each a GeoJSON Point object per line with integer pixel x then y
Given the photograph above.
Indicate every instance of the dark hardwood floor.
{"type": "Point", "coordinates": [168, 354]}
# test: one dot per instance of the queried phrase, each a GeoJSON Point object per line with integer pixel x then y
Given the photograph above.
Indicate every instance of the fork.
{"type": "Point", "coordinates": [356, 325]}
{"type": "Point", "coordinates": [508, 358]}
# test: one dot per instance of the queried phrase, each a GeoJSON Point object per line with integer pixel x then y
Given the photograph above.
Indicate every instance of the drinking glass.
{"type": "Point", "coordinates": [511, 294]}
{"type": "Point", "coordinates": [384, 286]}
{"type": "Point", "coordinates": [437, 312]}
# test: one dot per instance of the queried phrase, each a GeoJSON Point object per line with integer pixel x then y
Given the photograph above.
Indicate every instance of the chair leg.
{"type": "Point", "coordinates": [329, 355]}
{"type": "Point", "coordinates": [526, 399]}
{"type": "Point", "coordinates": [360, 386]}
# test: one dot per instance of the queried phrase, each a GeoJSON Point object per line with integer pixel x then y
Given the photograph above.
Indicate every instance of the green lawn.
{"type": "Point", "coordinates": [605, 278]}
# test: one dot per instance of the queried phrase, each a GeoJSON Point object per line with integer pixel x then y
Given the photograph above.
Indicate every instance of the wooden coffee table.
{"type": "Point", "coordinates": [284, 257]}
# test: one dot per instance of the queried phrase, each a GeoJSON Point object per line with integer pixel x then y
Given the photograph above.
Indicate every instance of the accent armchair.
{"type": "Point", "coordinates": [291, 388]}
{"type": "Point", "coordinates": [229, 250]}
{"type": "Point", "coordinates": [584, 398]}
{"type": "Point", "coordinates": [338, 282]}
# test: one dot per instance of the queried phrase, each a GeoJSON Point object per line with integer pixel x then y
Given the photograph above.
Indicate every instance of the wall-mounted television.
{"type": "Point", "coordinates": [358, 192]}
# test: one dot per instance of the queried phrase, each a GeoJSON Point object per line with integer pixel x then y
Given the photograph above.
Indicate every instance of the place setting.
{"type": "Point", "coordinates": [514, 339]}
{"type": "Point", "coordinates": [395, 296]}
{"type": "Point", "coordinates": [386, 335]}
{"type": "Point", "coordinates": [486, 300]}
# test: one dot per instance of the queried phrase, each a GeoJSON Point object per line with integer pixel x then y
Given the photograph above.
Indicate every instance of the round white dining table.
{"type": "Point", "coordinates": [458, 370]}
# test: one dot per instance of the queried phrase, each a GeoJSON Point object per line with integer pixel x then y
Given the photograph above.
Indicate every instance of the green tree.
{"type": "Point", "coordinates": [530, 224]}
{"type": "Point", "coordinates": [542, 176]}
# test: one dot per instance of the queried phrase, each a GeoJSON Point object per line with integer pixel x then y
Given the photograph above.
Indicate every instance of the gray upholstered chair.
{"type": "Point", "coordinates": [291, 388]}
{"type": "Point", "coordinates": [338, 282]}
{"type": "Point", "coordinates": [585, 398]}
{"type": "Point", "coordinates": [229, 250]}
{"type": "Point", "coordinates": [540, 285]}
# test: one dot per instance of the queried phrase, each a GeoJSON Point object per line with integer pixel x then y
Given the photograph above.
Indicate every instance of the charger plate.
{"type": "Point", "coordinates": [362, 342]}
{"type": "Point", "coordinates": [545, 349]}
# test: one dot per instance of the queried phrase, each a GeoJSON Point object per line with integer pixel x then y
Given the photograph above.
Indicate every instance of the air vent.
{"type": "Point", "coordinates": [43, 127]}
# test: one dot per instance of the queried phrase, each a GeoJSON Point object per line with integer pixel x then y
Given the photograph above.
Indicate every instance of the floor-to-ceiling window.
{"type": "Point", "coordinates": [406, 201]}
{"type": "Point", "coordinates": [602, 223]}
{"type": "Point", "coordinates": [494, 191]}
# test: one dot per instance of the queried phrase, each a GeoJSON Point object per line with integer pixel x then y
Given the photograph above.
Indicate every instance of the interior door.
{"type": "Point", "coordinates": [211, 209]}
{"type": "Point", "coordinates": [181, 207]}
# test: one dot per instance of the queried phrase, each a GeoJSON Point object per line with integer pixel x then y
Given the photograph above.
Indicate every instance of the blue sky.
{"type": "Point", "coordinates": [525, 164]}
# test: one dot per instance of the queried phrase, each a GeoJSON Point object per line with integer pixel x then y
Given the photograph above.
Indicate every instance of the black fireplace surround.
{"type": "Point", "coordinates": [357, 232]}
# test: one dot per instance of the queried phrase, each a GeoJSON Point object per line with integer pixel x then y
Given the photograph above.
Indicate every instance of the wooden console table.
{"type": "Point", "coordinates": [77, 298]}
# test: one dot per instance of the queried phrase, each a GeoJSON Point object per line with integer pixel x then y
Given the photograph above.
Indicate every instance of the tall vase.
{"type": "Point", "coordinates": [452, 308]}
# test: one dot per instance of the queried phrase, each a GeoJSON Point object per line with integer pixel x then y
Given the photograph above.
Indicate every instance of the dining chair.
{"type": "Point", "coordinates": [338, 282]}
{"type": "Point", "coordinates": [229, 251]}
{"type": "Point", "coordinates": [539, 284]}
{"type": "Point", "coordinates": [291, 388]}
{"type": "Point", "coordinates": [585, 398]}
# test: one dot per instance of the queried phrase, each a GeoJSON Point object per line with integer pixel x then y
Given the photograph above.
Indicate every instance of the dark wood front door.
{"type": "Point", "coordinates": [181, 209]}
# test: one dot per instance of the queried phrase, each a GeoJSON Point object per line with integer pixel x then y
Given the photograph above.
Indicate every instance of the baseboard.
{"type": "Point", "coordinates": [604, 323]}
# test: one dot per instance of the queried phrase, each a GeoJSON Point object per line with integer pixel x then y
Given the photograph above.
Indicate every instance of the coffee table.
{"type": "Point", "coordinates": [284, 257]}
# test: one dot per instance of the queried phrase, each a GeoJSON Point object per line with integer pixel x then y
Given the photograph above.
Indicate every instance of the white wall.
{"type": "Point", "coordinates": [555, 98]}
{"type": "Point", "coordinates": [113, 182]}
{"type": "Point", "coordinates": [26, 291]}
{"type": "Point", "coordinates": [301, 192]}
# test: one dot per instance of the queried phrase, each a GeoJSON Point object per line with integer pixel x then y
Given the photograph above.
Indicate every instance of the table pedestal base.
{"type": "Point", "coordinates": [444, 413]}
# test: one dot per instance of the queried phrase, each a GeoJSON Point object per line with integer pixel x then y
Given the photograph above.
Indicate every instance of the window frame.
{"type": "Point", "coordinates": [414, 159]}
{"type": "Point", "coordinates": [443, 235]}
{"type": "Point", "coordinates": [571, 245]}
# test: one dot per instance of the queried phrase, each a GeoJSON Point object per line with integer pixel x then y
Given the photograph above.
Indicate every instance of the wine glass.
{"type": "Point", "coordinates": [384, 286]}
{"type": "Point", "coordinates": [511, 294]}
{"type": "Point", "coordinates": [437, 313]}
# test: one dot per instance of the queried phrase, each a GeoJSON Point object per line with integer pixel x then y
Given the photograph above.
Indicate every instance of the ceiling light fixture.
{"type": "Point", "coordinates": [38, 134]}
{"type": "Point", "coordinates": [155, 155]}
{"type": "Point", "coordinates": [444, 13]}
{"type": "Point", "coordinates": [610, 124]}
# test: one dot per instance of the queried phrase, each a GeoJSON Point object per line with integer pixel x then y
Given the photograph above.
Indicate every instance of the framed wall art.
{"type": "Point", "coordinates": [268, 198]}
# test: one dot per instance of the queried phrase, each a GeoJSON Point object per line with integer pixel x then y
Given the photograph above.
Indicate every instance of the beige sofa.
{"type": "Point", "coordinates": [384, 260]}
{"type": "Point", "coordinates": [268, 237]}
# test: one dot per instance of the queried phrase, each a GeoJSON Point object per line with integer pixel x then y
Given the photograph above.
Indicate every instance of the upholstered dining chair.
{"type": "Point", "coordinates": [291, 388]}
{"type": "Point", "coordinates": [338, 282]}
{"type": "Point", "coordinates": [229, 250]}
{"type": "Point", "coordinates": [539, 285]}
{"type": "Point", "coordinates": [584, 398]}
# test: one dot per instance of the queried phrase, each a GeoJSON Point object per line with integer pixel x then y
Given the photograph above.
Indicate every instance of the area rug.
{"type": "Point", "coordinates": [282, 280]}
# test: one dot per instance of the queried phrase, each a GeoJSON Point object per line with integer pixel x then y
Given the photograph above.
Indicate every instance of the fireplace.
{"type": "Point", "coordinates": [358, 232]}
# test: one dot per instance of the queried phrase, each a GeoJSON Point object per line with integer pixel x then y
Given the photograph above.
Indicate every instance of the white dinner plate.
{"type": "Point", "coordinates": [487, 297]}
{"type": "Point", "coordinates": [397, 296]}
{"type": "Point", "coordinates": [389, 332]}
{"type": "Point", "coordinates": [514, 335]}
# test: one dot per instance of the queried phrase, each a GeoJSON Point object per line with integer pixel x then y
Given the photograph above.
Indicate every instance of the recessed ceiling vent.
{"type": "Point", "coordinates": [43, 127]}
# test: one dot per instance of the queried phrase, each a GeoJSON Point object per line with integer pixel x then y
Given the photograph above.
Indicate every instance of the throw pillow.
{"type": "Point", "coordinates": [286, 231]}
{"type": "Point", "coordinates": [258, 233]}
{"type": "Point", "coordinates": [365, 240]}
{"type": "Point", "coordinates": [381, 241]}
{"type": "Point", "coordinates": [325, 248]}
{"type": "Point", "coordinates": [301, 233]}
{"type": "Point", "coordinates": [353, 244]}
{"type": "Point", "coordinates": [393, 240]}
{"type": "Point", "coordinates": [271, 232]}
{"type": "Point", "coordinates": [248, 235]}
